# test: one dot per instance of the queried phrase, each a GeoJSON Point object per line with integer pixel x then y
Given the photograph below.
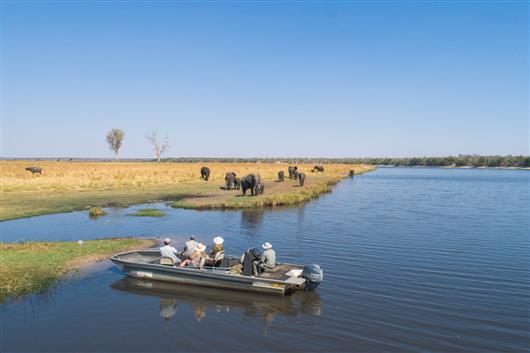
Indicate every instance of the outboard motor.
{"type": "Point", "coordinates": [314, 275]}
{"type": "Point", "coordinates": [250, 256]}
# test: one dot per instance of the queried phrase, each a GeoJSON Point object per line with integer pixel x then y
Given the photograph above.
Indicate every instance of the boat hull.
{"type": "Point", "coordinates": [200, 277]}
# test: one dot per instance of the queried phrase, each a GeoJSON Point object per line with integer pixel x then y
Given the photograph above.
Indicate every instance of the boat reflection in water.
{"type": "Point", "coordinates": [201, 299]}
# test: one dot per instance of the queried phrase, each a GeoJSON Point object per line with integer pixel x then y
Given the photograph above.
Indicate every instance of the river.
{"type": "Point", "coordinates": [415, 260]}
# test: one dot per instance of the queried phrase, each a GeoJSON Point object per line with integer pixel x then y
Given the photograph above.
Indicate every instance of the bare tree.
{"type": "Point", "coordinates": [114, 139]}
{"type": "Point", "coordinates": [159, 145]}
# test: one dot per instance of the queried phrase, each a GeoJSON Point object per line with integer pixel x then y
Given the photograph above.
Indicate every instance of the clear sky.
{"type": "Point", "coordinates": [258, 79]}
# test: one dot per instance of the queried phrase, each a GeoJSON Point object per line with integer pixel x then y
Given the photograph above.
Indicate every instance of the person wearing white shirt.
{"type": "Point", "coordinates": [168, 251]}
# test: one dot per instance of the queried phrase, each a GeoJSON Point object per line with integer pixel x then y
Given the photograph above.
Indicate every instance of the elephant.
{"type": "Point", "coordinates": [292, 171]}
{"type": "Point", "coordinates": [351, 173]}
{"type": "Point", "coordinates": [318, 168]}
{"type": "Point", "coordinates": [300, 177]}
{"type": "Point", "coordinates": [237, 183]}
{"type": "Point", "coordinates": [229, 179]}
{"type": "Point", "coordinates": [205, 173]}
{"type": "Point", "coordinates": [281, 175]}
{"type": "Point", "coordinates": [254, 183]}
{"type": "Point", "coordinates": [34, 170]}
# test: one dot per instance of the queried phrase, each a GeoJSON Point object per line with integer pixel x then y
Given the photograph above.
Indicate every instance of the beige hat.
{"type": "Point", "coordinates": [200, 247]}
{"type": "Point", "coordinates": [218, 240]}
{"type": "Point", "coordinates": [267, 245]}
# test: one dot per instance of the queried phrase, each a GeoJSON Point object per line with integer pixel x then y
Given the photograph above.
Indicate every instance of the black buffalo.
{"type": "Point", "coordinates": [237, 183]}
{"type": "Point", "coordinates": [351, 173]}
{"type": "Point", "coordinates": [205, 173]}
{"type": "Point", "coordinates": [34, 170]}
{"type": "Point", "coordinates": [281, 175]}
{"type": "Point", "coordinates": [292, 172]}
{"type": "Point", "coordinates": [254, 183]}
{"type": "Point", "coordinates": [318, 168]}
{"type": "Point", "coordinates": [229, 180]}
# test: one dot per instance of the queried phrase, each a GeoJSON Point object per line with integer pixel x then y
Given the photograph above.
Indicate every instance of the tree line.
{"type": "Point", "coordinates": [450, 161]}
{"type": "Point", "coordinates": [160, 145]}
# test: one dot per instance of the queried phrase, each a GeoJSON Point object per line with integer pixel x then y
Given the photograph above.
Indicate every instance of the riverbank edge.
{"type": "Point", "coordinates": [35, 267]}
{"type": "Point", "coordinates": [177, 197]}
{"type": "Point", "coordinates": [292, 198]}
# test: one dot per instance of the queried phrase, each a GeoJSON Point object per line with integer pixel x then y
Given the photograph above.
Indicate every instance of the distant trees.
{"type": "Point", "coordinates": [114, 140]}
{"type": "Point", "coordinates": [159, 145]}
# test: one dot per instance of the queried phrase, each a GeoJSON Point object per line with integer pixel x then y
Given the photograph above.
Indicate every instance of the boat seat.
{"type": "Point", "coordinates": [167, 261]}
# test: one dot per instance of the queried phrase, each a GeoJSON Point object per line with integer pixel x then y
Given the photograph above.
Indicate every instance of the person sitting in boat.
{"type": "Point", "coordinates": [267, 260]}
{"type": "Point", "coordinates": [217, 253]}
{"type": "Point", "coordinates": [189, 248]}
{"type": "Point", "coordinates": [197, 258]}
{"type": "Point", "coordinates": [169, 251]}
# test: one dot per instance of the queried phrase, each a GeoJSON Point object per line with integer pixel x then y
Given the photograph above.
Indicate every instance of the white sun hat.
{"type": "Point", "coordinates": [167, 240]}
{"type": "Point", "coordinates": [218, 240]}
{"type": "Point", "coordinates": [267, 245]}
{"type": "Point", "coordinates": [200, 247]}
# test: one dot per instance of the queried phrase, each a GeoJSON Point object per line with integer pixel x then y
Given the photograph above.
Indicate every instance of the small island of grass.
{"type": "Point", "coordinates": [148, 212]}
{"type": "Point", "coordinates": [33, 267]}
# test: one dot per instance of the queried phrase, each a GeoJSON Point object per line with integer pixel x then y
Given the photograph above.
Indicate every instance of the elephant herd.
{"type": "Point", "coordinates": [250, 182]}
{"type": "Point", "coordinates": [254, 183]}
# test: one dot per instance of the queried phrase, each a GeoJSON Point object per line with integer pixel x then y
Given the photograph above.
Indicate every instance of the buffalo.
{"type": "Point", "coordinates": [254, 183]}
{"type": "Point", "coordinates": [318, 168]}
{"type": "Point", "coordinates": [281, 175]}
{"type": "Point", "coordinates": [34, 170]}
{"type": "Point", "coordinates": [351, 173]}
{"type": "Point", "coordinates": [229, 179]}
{"type": "Point", "coordinates": [292, 172]}
{"type": "Point", "coordinates": [205, 173]}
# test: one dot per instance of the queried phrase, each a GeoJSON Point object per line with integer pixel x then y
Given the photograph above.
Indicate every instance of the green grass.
{"type": "Point", "coordinates": [26, 204]}
{"type": "Point", "coordinates": [33, 267]}
{"type": "Point", "coordinates": [96, 212]}
{"type": "Point", "coordinates": [148, 212]}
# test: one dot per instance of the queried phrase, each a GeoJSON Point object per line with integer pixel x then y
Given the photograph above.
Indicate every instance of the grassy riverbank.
{"type": "Point", "coordinates": [75, 186]}
{"type": "Point", "coordinates": [35, 266]}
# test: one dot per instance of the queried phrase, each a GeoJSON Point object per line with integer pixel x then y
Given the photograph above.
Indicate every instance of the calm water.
{"type": "Point", "coordinates": [416, 260]}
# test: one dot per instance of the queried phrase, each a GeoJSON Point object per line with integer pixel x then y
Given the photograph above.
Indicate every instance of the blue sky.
{"type": "Point", "coordinates": [293, 79]}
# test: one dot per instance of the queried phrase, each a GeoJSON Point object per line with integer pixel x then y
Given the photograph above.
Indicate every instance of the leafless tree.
{"type": "Point", "coordinates": [159, 145]}
{"type": "Point", "coordinates": [115, 139]}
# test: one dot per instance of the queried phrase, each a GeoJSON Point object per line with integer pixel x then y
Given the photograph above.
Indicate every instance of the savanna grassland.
{"type": "Point", "coordinates": [69, 186]}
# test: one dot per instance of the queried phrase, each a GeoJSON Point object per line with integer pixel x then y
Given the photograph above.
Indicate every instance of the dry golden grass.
{"type": "Point", "coordinates": [80, 176]}
{"type": "Point", "coordinates": [70, 186]}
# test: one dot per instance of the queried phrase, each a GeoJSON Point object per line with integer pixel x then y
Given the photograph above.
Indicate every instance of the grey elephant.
{"type": "Point", "coordinates": [292, 171]}
{"type": "Point", "coordinates": [281, 175]}
{"type": "Point", "coordinates": [301, 178]}
{"type": "Point", "coordinates": [237, 183]}
{"type": "Point", "coordinates": [229, 180]}
{"type": "Point", "coordinates": [205, 173]}
{"type": "Point", "coordinates": [254, 183]}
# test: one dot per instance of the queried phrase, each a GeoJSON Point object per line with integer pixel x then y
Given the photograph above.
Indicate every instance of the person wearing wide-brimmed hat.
{"type": "Point", "coordinates": [267, 260]}
{"type": "Point", "coordinates": [217, 253]}
{"type": "Point", "coordinates": [197, 258]}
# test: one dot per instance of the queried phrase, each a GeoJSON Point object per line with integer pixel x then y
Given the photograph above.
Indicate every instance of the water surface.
{"type": "Point", "coordinates": [415, 260]}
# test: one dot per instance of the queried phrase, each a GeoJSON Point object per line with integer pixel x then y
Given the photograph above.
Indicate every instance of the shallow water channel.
{"type": "Point", "coordinates": [415, 260]}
